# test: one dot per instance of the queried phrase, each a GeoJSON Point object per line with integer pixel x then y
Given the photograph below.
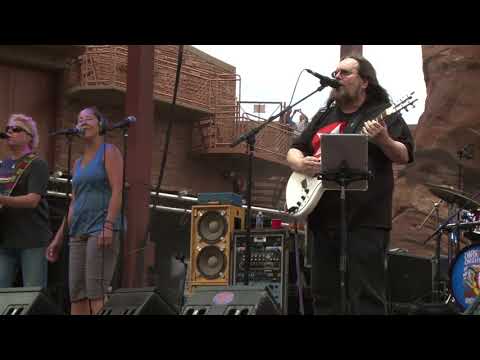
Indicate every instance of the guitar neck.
{"type": "Point", "coordinates": [383, 116]}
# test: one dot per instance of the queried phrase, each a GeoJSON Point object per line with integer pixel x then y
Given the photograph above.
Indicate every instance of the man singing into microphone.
{"type": "Point", "coordinates": [24, 219]}
{"type": "Point", "coordinates": [350, 109]}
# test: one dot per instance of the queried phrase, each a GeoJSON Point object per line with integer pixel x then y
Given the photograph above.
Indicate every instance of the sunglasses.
{"type": "Point", "coordinates": [16, 129]}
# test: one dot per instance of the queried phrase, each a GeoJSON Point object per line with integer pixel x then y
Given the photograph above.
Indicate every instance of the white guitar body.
{"type": "Point", "coordinates": [302, 194]}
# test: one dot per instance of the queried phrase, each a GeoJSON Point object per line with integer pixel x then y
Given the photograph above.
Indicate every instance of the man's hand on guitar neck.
{"type": "Point", "coordinates": [376, 131]}
{"type": "Point", "coordinates": [396, 151]}
{"type": "Point", "coordinates": [308, 165]}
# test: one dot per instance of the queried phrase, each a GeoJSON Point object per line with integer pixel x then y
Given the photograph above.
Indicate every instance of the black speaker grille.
{"type": "Point", "coordinates": [211, 262]}
{"type": "Point", "coordinates": [212, 226]}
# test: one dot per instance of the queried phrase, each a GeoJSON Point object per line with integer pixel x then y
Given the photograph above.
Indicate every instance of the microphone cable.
{"type": "Point", "coordinates": [104, 203]}
{"type": "Point", "coordinates": [296, 84]}
{"type": "Point", "coordinates": [172, 108]}
{"type": "Point", "coordinates": [294, 90]}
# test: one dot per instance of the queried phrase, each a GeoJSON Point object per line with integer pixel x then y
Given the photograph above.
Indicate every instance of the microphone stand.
{"type": "Point", "coordinates": [464, 153]}
{"type": "Point", "coordinates": [66, 227]}
{"type": "Point", "coordinates": [249, 138]}
{"type": "Point", "coordinates": [122, 208]}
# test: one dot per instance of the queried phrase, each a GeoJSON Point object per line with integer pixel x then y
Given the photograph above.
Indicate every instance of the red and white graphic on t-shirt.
{"type": "Point", "coordinates": [337, 127]}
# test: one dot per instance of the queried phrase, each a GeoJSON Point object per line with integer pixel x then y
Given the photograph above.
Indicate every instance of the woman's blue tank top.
{"type": "Point", "coordinates": [92, 195]}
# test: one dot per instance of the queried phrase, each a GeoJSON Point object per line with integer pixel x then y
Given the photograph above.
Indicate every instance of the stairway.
{"type": "Point", "coordinates": [269, 192]}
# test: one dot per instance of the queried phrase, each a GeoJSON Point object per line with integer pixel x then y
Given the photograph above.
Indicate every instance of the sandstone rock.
{"type": "Point", "coordinates": [450, 121]}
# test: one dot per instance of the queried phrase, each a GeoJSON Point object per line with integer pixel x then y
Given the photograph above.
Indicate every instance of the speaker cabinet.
{"type": "Point", "coordinates": [411, 278]}
{"type": "Point", "coordinates": [233, 300]}
{"type": "Point", "coordinates": [212, 229]}
{"type": "Point", "coordinates": [27, 301]}
{"type": "Point", "coordinates": [143, 301]}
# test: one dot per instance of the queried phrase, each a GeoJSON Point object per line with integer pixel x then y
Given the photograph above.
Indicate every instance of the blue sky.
{"type": "Point", "coordinates": [270, 72]}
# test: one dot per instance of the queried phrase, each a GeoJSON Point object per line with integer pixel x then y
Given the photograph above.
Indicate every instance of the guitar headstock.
{"type": "Point", "coordinates": [405, 103]}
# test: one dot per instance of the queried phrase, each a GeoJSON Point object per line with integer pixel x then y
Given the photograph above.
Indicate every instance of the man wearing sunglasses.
{"type": "Point", "coordinates": [350, 109]}
{"type": "Point", "coordinates": [24, 219]}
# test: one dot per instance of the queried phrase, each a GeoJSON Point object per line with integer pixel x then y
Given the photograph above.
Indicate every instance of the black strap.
{"type": "Point", "coordinates": [316, 123]}
{"type": "Point", "coordinates": [355, 124]}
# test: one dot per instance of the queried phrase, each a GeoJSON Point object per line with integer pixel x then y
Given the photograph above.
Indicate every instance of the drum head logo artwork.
{"type": "Point", "coordinates": [466, 276]}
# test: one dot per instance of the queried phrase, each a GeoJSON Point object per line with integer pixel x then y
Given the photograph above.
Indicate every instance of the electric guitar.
{"type": "Point", "coordinates": [303, 192]}
{"type": "Point", "coordinates": [8, 183]}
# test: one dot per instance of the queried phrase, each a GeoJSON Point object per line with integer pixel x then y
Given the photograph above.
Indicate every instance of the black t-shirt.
{"type": "Point", "coordinates": [371, 208]}
{"type": "Point", "coordinates": [24, 227]}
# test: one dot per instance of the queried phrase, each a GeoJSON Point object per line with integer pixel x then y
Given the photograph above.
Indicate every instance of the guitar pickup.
{"type": "Point", "coordinates": [304, 184]}
{"type": "Point", "coordinates": [292, 209]}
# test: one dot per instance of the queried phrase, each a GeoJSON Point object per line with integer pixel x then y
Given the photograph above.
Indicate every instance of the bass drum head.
{"type": "Point", "coordinates": [465, 276]}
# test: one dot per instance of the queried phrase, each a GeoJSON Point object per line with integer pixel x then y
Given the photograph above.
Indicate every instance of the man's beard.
{"type": "Point", "coordinates": [343, 98]}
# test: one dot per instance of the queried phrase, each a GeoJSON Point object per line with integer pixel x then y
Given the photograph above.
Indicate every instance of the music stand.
{"type": "Point", "coordinates": [344, 168]}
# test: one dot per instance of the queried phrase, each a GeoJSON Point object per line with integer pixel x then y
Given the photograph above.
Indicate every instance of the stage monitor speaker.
{"type": "Point", "coordinates": [212, 228]}
{"type": "Point", "coordinates": [233, 300]}
{"type": "Point", "coordinates": [411, 278]}
{"type": "Point", "coordinates": [27, 301]}
{"type": "Point", "coordinates": [141, 301]}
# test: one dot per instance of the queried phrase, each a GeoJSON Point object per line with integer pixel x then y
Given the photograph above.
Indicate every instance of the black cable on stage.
{"type": "Point", "coordinates": [170, 122]}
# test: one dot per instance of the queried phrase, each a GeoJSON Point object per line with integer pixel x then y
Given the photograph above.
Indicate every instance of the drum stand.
{"type": "Point", "coordinates": [451, 228]}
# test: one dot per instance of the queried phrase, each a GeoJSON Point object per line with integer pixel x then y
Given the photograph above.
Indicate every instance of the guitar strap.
{"type": "Point", "coordinates": [8, 183]}
{"type": "Point", "coordinates": [322, 116]}
{"type": "Point", "coordinates": [354, 124]}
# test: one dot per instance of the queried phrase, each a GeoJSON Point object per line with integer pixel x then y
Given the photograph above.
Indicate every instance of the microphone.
{"type": "Point", "coordinates": [325, 80]}
{"type": "Point", "coordinates": [4, 135]}
{"type": "Point", "coordinates": [124, 123]}
{"type": "Point", "coordinates": [72, 131]}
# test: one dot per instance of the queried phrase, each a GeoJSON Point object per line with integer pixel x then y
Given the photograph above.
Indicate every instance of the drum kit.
{"type": "Point", "coordinates": [464, 264]}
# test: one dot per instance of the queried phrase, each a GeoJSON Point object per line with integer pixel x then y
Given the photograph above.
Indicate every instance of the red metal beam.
{"type": "Point", "coordinates": [139, 103]}
{"type": "Point", "coordinates": [346, 50]}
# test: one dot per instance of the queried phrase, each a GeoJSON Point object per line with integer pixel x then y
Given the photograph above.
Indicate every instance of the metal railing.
{"type": "Point", "coordinates": [178, 197]}
{"type": "Point", "coordinates": [106, 66]}
{"type": "Point", "coordinates": [226, 124]}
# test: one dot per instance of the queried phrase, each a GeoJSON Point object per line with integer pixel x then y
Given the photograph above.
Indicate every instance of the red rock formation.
{"type": "Point", "coordinates": [450, 121]}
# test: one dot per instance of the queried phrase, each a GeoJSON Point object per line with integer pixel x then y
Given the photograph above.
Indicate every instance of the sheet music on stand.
{"type": "Point", "coordinates": [349, 149]}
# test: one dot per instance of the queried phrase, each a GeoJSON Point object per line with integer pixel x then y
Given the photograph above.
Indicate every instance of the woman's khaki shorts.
{"type": "Point", "coordinates": [91, 267]}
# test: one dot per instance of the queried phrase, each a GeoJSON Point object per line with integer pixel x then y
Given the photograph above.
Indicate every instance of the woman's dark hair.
{"type": "Point", "coordinates": [94, 110]}
{"type": "Point", "coordinates": [376, 94]}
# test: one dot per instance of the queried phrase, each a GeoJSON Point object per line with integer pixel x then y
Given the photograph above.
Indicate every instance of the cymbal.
{"type": "Point", "coordinates": [474, 236]}
{"type": "Point", "coordinates": [454, 196]}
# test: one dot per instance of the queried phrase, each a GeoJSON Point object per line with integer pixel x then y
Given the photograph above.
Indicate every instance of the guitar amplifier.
{"type": "Point", "coordinates": [268, 262]}
{"type": "Point", "coordinates": [411, 278]}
